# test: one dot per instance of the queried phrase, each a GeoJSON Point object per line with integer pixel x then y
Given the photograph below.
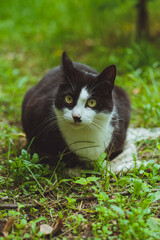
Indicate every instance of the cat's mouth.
{"type": "Point", "coordinates": [77, 125]}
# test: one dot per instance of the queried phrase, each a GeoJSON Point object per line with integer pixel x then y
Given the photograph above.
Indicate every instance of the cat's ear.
{"type": "Point", "coordinates": [108, 76]}
{"type": "Point", "coordinates": [67, 65]}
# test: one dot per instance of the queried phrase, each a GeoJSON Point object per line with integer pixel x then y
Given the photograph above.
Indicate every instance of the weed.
{"type": "Point", "coordinates": [96, 206]}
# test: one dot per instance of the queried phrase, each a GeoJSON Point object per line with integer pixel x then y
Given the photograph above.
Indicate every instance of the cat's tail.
{"type": "Point", "coordinates": [138, 134]}
{"type": "Point", "coordinates": [127, 160]}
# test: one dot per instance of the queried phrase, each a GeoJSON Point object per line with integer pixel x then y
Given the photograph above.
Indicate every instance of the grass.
{"type": "Point", "coordinates": [95, 205]}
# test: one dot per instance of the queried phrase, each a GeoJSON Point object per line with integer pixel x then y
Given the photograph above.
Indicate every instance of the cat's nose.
{"type": "Point", "coordinates": [77, 119]}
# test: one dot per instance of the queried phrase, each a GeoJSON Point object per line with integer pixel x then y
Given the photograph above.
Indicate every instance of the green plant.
{"type": "Point", "coordinates": [97, 205]}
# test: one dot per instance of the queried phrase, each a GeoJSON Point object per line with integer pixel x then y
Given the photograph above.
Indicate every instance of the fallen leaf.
{"type": "Point", "coordinates": [89, 42]}
{"type": "Point", "coordinates": [46, 229]}
{"type": "Point", "coordinates": [136, 91]}
{"type": "Point", "coordinates": [7, 227]}
{"type": "Point", "coordinates": [4, 198]}
{"type": "Point", "coordinates": [21, 135]}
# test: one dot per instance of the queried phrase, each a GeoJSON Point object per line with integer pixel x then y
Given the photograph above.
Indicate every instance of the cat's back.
{"type": "Point", "coordinates": [48, 83]}
{"type": "Point", "coordinates": [52, 79]}
{"type": "Point", "coordinates": [122, 102]}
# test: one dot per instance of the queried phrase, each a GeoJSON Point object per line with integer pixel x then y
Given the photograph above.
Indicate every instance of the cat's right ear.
{"type": "Point", "coordinates": [108, 76]}
{"type": "Point", "coordinates": [67, 65]}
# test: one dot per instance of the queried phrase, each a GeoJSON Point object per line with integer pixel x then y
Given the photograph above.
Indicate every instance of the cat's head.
{"type": "Point", "coordinates": [83, 96]}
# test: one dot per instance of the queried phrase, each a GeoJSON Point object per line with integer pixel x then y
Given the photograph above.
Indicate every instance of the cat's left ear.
{"type": "Point", "coordinates": [67, 65]}
{"type": "Point", "coordinates": [108, 76]}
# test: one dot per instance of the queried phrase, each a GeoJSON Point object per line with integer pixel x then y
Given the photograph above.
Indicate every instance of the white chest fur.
{"type": "Point", "coordinates": [89, 141]}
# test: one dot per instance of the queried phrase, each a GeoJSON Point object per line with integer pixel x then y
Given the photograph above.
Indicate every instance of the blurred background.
{"type": "Point", "coordinates": [33, 34]}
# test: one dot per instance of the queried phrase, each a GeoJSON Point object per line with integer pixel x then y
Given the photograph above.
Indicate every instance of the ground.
{"type": "Point", "coordinates": [96, 205]}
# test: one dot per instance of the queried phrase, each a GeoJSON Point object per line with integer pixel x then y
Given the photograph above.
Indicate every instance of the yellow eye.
{"type": "Point", "coordinates": [91, 103]}
{"type": "Point", "coordinates": [68, 99]}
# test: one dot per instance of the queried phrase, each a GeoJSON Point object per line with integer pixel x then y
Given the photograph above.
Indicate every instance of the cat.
{"type": "Point", "coordinates": [77, 111]}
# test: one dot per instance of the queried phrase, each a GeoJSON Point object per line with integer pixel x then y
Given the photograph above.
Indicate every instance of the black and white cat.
{"type": "Point", "coordinates": [73, 108]}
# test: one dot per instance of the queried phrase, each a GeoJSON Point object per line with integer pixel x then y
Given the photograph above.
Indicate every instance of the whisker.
{"type": "Point", "coordinates": [97, 125]}
{"type": "Point", "coordinates": [98, 128]}
{"type": "Point", "coordinates": [50, 126]}
{"type": "Point", "coordinates": [81, 148]}
{"type": "Point", "coordinates": [79, 142]}
{"type": "Point", "coordinates": [45, 121]}
{"type": "Point", "coordinates": [51, 120]}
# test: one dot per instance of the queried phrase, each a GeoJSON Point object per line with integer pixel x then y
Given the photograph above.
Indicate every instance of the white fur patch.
{"type": "Point", "coordinates": [89, 73]}
{"type": "Point", "coordinates": [79, 108]}
{"type": "Point", "coordinates": [138, 134]}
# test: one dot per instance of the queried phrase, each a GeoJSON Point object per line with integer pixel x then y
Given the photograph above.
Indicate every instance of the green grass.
{"type": "Point", "coordinates": [95, 205]}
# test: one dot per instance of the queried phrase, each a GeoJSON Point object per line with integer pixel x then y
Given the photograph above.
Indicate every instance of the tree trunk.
{"type": "Point", "coordinates": [142, 20]}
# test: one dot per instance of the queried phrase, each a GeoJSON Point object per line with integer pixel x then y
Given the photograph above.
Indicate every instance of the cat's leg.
{"type": "Point", "coordinates": [76, 167]}
{"type": "Point", "coordinates": [73, 172]}
{"type": "Point", "coordinates": [125, 161]}
{"type": "Point", "coordinates": [122, 163]}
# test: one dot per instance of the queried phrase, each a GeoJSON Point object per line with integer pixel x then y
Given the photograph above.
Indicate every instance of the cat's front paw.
{"type": "Point", "coordinates": [124, 167]}
{"type": "Point", "coordinates": [72, 172]}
